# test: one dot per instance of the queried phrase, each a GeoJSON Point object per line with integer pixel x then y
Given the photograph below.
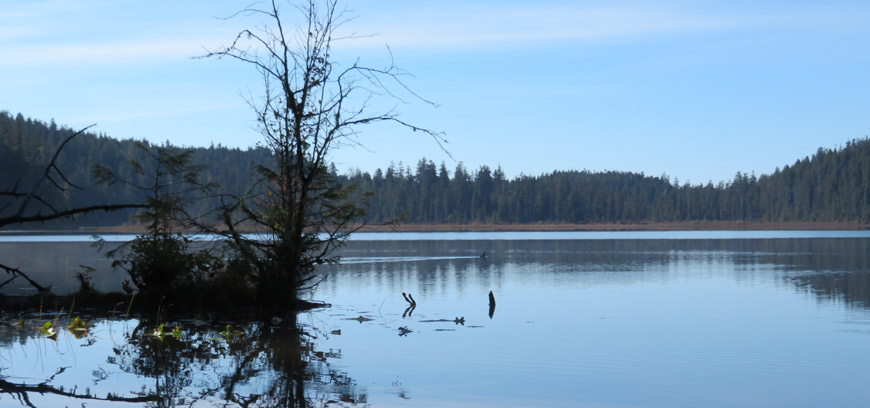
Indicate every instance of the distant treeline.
{"type": "Point", "coordinates": [27, 145]}
{"type": "Point", "coordinates": [832, 185]}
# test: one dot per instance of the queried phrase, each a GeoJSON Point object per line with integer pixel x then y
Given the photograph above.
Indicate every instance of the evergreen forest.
{"type": "Point", "coordinates": [27, 145]}
{"type": "Point", "coordinates": [832, 185]}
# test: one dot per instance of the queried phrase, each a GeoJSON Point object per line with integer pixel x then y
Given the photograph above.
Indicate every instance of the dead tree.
{"type": "Point", "coordinates": [310, 105]}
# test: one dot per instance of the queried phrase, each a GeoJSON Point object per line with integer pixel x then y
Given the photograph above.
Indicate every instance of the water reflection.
{"type": "Point", "coordinates": [830, 268]}
{"type": "Point", "coordinates": [140, 361]}
{"type": "Point", "coordinates": [677, 322]}
{"type": "Point", "coordinates": [835, 270]}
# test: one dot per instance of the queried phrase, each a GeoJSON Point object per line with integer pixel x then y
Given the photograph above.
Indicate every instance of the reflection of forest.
{"type": "Point", "coordinates": [254, 365]}
{"type": "Point", "coordinates": [268, 366]}
{"type": "Point", "coordinates": [830, 268]}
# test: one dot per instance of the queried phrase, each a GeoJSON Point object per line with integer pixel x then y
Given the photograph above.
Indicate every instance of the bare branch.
{"type": "Point", "coordinates": [39, 217]}
{"type": "Point", "coordinates": [17, 273]}
{"type": "Point", "coordinates": [34, 192]}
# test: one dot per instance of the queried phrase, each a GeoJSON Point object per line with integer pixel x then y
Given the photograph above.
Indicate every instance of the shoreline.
{"type": "Point", "coordinates": [663, 226]}
{"type": "Point", "coordinates": [539, 227]}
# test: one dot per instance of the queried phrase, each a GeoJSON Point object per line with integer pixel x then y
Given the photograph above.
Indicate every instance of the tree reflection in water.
{"type": "Point", "coordinates": [255, 365]}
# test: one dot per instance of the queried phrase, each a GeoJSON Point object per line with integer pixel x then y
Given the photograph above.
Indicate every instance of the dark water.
{"type": "Point", "coordinates": [686, 321]}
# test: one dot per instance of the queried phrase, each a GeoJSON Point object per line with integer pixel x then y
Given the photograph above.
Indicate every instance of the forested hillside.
{"type": "Point", "coordinates": [27, 145]}
{"type": "Point", "coordinates": [832, 185]}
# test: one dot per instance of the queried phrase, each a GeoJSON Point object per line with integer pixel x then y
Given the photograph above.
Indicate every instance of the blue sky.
{"type": "Point", "coordinates": [695, 89]}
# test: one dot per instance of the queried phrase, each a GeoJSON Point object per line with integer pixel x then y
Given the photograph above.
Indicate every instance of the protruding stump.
{"type": "Point", "coordinates": [412, 304]}
{"type": "Point", "coordinates": [491, 304]}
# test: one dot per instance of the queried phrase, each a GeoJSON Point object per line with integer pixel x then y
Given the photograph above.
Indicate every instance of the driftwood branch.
{"type": "Point", "coordinates": [16, 273]}
{"type": "Point", "coordinates": [39, 217]}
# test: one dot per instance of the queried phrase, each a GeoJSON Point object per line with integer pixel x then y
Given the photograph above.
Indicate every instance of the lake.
{"type": "Point", "coordinates": [640, 319]}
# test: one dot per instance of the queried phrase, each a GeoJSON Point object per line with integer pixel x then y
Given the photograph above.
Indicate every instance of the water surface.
{"type": "Point", "coordinates": [675, 322]}
{"type": "Point", "coordinates": [715, 319]}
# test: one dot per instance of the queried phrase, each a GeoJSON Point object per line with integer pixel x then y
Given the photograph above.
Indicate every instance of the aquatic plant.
{"type": "Point", "coordinates": [77, 324]}
{"type": "Point", "coordinates": [230, 332]}
{"type": "Point", "coordinates": [78, 328]}
{"type": "Point", "coordinates": [49, 331]}
{"type": "Point", "coordinates": [158, 332]}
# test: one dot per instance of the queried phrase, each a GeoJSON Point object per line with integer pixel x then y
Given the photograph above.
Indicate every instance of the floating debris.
{"type": "Point", "coordinates": [360, 319]}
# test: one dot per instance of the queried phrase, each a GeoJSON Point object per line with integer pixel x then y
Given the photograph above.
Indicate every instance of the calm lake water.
{"type": "Point", "coordinates": [657, 319]}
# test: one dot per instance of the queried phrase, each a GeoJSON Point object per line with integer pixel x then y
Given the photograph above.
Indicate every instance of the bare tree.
{"type": "Point", "coordinates": [32, 205]}
{"type": "Point", "coordinates": [309, 105]}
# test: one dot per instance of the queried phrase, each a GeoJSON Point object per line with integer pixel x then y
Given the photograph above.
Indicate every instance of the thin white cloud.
{"type": "Point", "coordinates": [103, 53]}
{"type": "Point", "coordinates": [35, 9]}
{"type": "Point", "coordinates": [528, 25]}
{"type": "Point", "coordinates": [98, 32]}
{"type": "Point", "coordinates": [13, 33]}
{"type": "Point", "coordinates": [452, 28]}
{"type": "Point", "coordinates": [473, 27]}
{"type": "Point", "coordinates": [108, 52]}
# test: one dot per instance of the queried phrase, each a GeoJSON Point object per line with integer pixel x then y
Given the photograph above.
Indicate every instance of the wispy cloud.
{"type": "Point", "coordinates": [101, 53]}
{"type": "Point", "coordinates": [529, 25]}
{"type": "Point", "coordinates": [524, 25]}
{"type": "Point", "coordinates": [101, 32]}
{"type": "Point", "coordinates": [41, 9]}
{"type": "Point", "coordinates": [32, 41]}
